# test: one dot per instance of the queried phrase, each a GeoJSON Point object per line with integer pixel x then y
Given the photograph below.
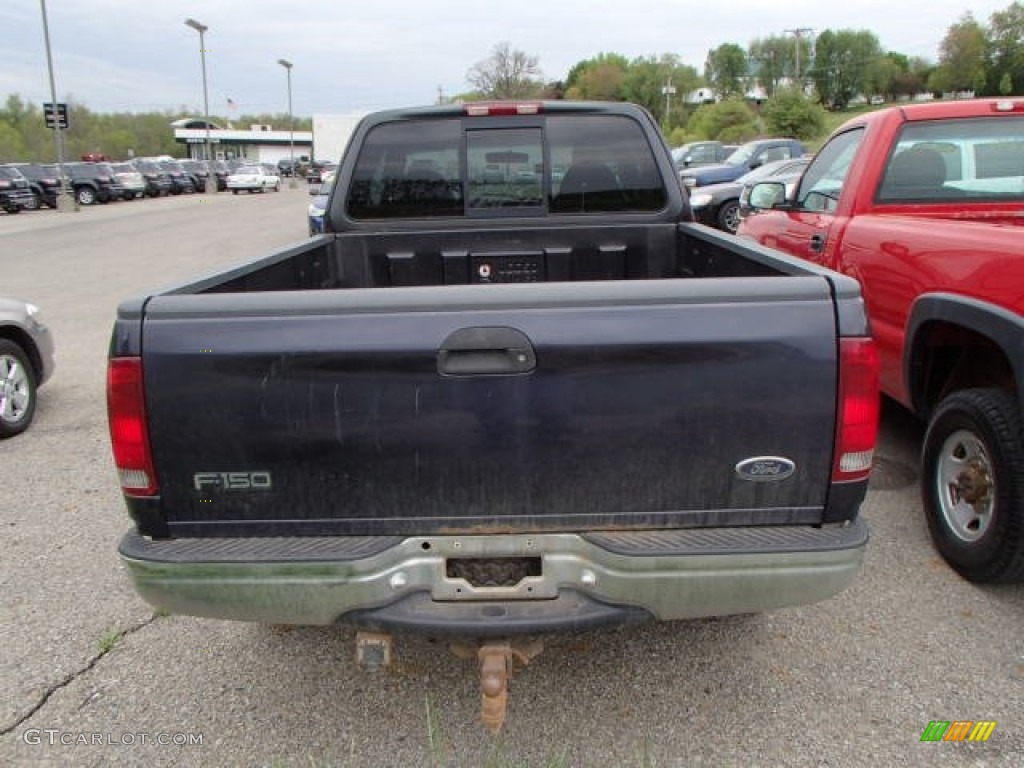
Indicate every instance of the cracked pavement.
{"type": "Point", "coordinates": [851, 681]}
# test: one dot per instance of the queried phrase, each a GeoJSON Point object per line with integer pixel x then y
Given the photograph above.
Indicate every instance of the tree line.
{"type": "Point", "coordinates": [25, 137]}
{"type": "Point", "coordinates": [792, 77]}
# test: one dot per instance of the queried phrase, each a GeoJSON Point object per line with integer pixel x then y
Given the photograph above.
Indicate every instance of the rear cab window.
{"type": "Point", "coordinates": [471, 167]}
{"type": "Point", "coordinates": [956, 161]}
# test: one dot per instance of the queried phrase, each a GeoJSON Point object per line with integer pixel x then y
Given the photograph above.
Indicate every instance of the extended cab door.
{"type": "Point", "coordinates": [810, 227]}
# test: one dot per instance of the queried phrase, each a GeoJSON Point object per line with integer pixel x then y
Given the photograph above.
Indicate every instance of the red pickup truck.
{"type": "Point", "coordinates": [924, 205]}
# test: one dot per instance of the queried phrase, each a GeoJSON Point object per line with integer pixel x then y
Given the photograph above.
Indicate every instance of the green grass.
{"type": "Point", "coordinates": [109, 639]}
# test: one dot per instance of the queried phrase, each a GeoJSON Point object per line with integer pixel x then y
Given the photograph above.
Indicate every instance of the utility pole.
{"type": "Point", "coordinates": [799, 33]}
{"type": "Point", "coordinates": [669, 90]}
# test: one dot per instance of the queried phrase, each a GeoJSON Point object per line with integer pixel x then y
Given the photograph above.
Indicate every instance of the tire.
{"type": "Point", "coordinates": [12, 208]}
{"type": "Point", "coordinates": [17, 389]}
{"type": "Point", "coordinates": [729, 216]}
{"type": "Point", "coordinates": [277, 187]}
{"type": "Point", "coordinates": [85, 196]}
{"type": "Point", "coordinates": [234, 191]}
{"type": "Point", "coordinates": [972, 478]}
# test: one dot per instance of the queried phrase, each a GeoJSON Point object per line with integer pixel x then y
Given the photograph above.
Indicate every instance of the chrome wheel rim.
{"type": "Point", "coordinates": [15, 389]}
{"type": "Point", "coordinates": [966, 486]}
{"type": "Point", "coordinates": [731, 219]}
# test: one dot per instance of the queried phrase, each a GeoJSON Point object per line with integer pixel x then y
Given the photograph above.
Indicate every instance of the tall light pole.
{"type": "Point", "coordinates": [64, 199]}
{"type": "Point", "coordinates": [291, 121]}
{"type": "Point", "coordinates": [211, 178]}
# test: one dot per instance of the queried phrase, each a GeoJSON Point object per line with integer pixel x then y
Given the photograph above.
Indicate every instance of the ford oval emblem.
{"type": "Point", "coordinates": [765, 469]}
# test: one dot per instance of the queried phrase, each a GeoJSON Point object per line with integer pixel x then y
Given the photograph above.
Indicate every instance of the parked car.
{"type": "Point", "coordinates": [316, 172]}
{"type": "Point", "coordinates": [253, 178]}
{"type": "Point", "coordinates": [220, 171]}
{"type": "Point", "coordinates": [287, 167]}
{"type": "Point", "coordinates": [43, 180]}
{"type": "Point", "coordinates": [718, 205]}
{"type": "Point", "coordinates": [26, 362]}
{"type": "Point", "coordinates": [93, 182]}
{"type": "Point", "coordinates": [15, 192]}
{"type": "Point", "coordinates": [701, 153]}
{"type": "Point", "coordinates": [158, 182]}
{"type": "Point", "coordinates": [747, 157]}
{"type": "Point", "coordinates": [318, 205]}
{"type": "Point", "coordinates": [788, 179]}
{"type": "Point", "coordinates": [198, 171]}
{"type": "Point", "coordinates": [181, 181]}
{"type": "Point", "coordinates": [132, 183]}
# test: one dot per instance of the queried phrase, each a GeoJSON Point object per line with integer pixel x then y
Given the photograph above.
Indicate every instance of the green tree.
{"type": "Point", "coordinates": [962, 57]}
{"type": "Point", "coordinates": [730, 121]}
{"type": "Point", "coordinates": [507, 74]}
{"type": "Point", "coordinates": [843, 65]}
{"type": "Point", "coordinates": [600, 78]}
{"type": "Point", "coordinates": [773, 59]}
{"type": "Point", "coordinates": [790, 113]}
{"type": "Point", "coordinates": [1006, 48]}
{"type": "Point", "coordinates": [646, 79]}
{"type": "Point", "coordinates": [726, 70]}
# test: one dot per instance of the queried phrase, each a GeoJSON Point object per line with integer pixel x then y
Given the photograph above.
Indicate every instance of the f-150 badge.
{"type": "Point", "coordinates": [765, 469]}
{"type": "Point", "coordinates": [231, 481]}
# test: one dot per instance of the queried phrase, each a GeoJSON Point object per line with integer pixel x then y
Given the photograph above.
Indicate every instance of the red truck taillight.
{"type": "Point", "coordinates": [858, 409]}
{"type": "Point", "coordinates": [129, 435]}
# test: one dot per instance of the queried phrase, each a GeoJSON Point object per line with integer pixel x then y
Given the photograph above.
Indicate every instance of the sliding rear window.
{"type": "Point", "coordinates": [575, 164]}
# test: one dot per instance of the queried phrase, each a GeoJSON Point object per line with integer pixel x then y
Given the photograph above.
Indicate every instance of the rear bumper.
{"type": "Point", "coordinates": [585, 580]}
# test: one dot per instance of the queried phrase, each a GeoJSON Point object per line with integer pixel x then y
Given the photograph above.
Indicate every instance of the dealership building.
{"type": "Point", "coordinates": [258, 144]}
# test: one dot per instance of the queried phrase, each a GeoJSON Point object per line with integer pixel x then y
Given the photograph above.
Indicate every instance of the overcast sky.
{"type": "Point", "coordinates": [138, 55]}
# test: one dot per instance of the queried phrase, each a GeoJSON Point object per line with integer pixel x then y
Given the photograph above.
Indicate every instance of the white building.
{"type": "Point", "coordinates": [259, 144]}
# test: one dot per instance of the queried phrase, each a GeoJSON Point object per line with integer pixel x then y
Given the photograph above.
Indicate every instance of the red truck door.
{"type": "Point", "coordinates": [811, 226]}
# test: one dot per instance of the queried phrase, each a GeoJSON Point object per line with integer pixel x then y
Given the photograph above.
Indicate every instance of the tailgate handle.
{"type": "Point", "coordinates": [486, 351]}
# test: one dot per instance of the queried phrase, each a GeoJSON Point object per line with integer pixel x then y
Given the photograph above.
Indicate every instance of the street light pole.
{"type": "Point", "coordinates": [211, 178]}
{"type": "Point", "coordinates": [291, 121]}
{"type": "Point", "coordinates": [64, 199]}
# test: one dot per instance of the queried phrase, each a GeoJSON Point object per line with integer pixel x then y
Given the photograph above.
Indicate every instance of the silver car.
{"type": "Point", "coordinates": [26, 363]}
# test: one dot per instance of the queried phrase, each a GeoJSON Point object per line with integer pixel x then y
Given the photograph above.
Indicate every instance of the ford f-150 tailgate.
{"type": "Point", "coordinates": [490, 408]}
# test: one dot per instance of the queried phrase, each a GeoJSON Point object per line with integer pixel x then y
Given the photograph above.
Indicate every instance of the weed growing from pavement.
{"type": "Point", "coordinates": [109, 639]}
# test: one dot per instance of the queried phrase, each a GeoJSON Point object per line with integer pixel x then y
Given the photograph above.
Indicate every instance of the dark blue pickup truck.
{"type": "Point", "coordinates": [512, 389]}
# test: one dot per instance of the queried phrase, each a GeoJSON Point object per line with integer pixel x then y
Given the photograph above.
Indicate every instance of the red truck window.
{"type": "Point", "coordinates": [956, 161]}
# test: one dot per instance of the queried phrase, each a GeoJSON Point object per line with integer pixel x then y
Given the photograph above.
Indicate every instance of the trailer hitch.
{"type": "Point", "coordinates": [495, 660]}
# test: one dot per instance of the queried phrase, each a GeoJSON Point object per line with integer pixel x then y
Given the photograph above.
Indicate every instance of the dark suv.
{"type": "Point", "coordinates": [15, 192]}
{"type": "Point", "coordinates": [180, 179]}
{"type": "Point", "coordinates": [93, 182]}
{"type": "Point", "coordinates": [198, 171]}
{"type": "Point", "coordinates": [158, 182]}
{"type": "Point", "coordinates": [43, 180]}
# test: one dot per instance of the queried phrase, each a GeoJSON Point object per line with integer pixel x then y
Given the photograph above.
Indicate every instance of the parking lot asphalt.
{"type": "Point", "coordinates": [92, 677]}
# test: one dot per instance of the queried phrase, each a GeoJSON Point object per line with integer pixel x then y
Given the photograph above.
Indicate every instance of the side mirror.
{"type": "Point", "coordinates": [767, 195]}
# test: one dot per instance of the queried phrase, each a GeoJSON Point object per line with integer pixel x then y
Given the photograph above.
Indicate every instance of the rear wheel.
{"type": "Point", "coordinates": [85, 195]}
{"type": "Point", "coordinates": [973, 476]}
{"type": "Point", "coordinates": [17, 389]}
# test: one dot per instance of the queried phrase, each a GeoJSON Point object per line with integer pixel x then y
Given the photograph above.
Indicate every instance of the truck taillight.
{"type": "Point", "coordinates": [129, 435]}
{"type": "Point", "coordinates": [859, 406]}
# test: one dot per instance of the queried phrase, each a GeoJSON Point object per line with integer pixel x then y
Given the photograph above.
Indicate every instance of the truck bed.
{"type": "Point", "coordinates": [557, 397]}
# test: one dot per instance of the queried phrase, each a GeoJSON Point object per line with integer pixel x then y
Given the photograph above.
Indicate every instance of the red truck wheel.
{"type": "Point", "coordinates": [973, 484]}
